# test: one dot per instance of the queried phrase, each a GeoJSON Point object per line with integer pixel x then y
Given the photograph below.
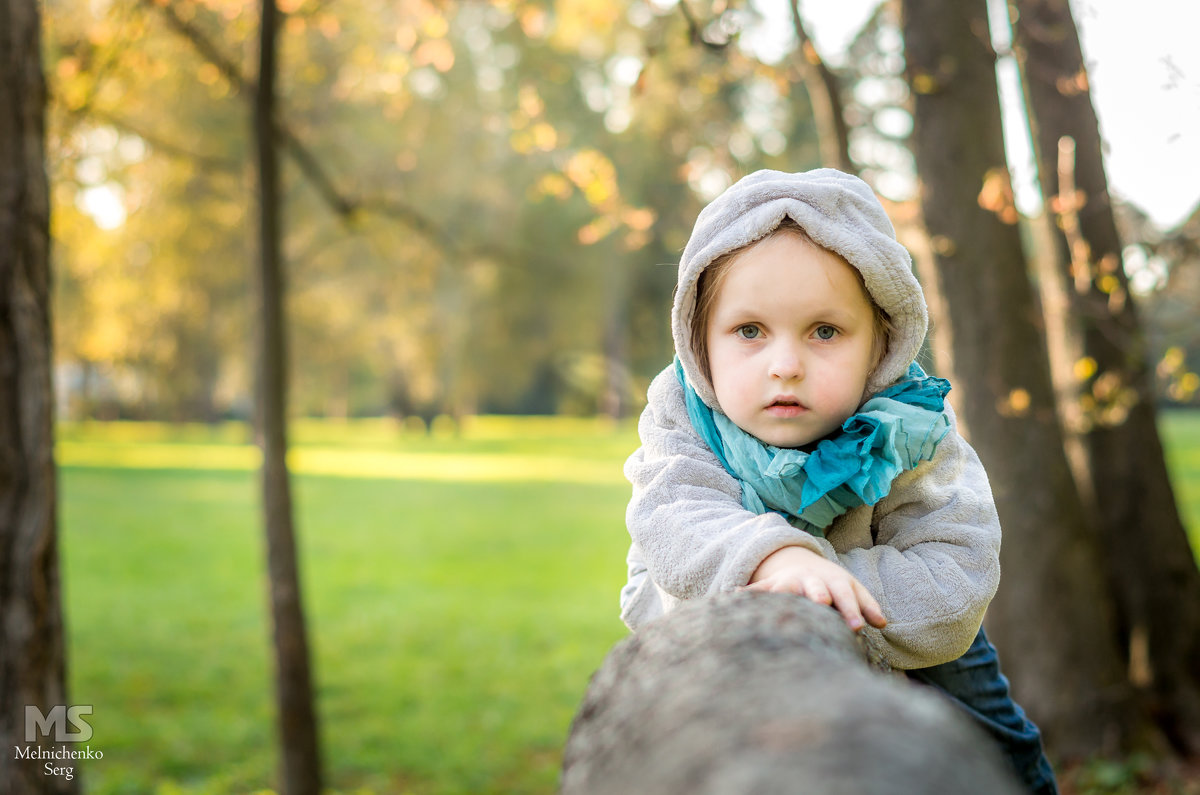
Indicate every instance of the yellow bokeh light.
{"type": "Point", "coordinates": [545, 137]}
{"type": "Point", "coordinates": [208, 74]}
{"type": "Point", "coordinates": [437, 53]}
{"type": "Point", "coordinates": [1085, 368]}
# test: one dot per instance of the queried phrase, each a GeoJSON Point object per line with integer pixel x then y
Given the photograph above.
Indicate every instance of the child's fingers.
{"type": "Point", "coordinates": [851, 599]}
{"type": "Point", "coordinates": [845, 599]}
{"type": "Point", "coordinates": [871, 610]}
{"type": "Point", "coordinates": [773, 585]}
{"type": "Point", "coordinates": [816, 590]}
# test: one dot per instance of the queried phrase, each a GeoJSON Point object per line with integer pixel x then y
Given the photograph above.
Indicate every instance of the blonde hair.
{"type": "Point", "coordinates": [708, 287]}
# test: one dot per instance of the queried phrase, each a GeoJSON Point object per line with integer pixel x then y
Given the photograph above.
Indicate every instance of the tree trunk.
{"type": "Point", "coordinates": [1050, 614]}
{"type": "Point", "coordinates": [833, 135]}
{"type": "Point", "coordinates": [766, 693]}
{"type": "Point", "coordinates": [32, 654]}
{"type": "Point", "coordinates": [297, 719]}
{"type": "Point", "coordinates": [1149, 559]}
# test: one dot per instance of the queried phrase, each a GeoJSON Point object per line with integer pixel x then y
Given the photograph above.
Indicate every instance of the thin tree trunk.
{"type": "Point", "coordinates": [833, 135]}
{"type": "Point", "coordinates": [301, 761]}
{"type": "Point", "coordinates": [1149, 558]}
{"type": "Point", "coordinates": [1050, 617]}
{"type": "Point", "coordinates": [32, 655]}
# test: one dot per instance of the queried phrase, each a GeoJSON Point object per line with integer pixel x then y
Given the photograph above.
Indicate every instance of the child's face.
{"type": "Point", "coordinates": [790, 341]}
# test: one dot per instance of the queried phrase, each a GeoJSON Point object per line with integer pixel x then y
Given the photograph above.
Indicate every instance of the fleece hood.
{"type": "Point", "coordinates": [839, 212]}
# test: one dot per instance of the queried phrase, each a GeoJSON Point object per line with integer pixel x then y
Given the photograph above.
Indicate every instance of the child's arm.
{"type": "Point", "coordinates": [935, 563]}
{"type": "Point", "coordinates": [686, 516]}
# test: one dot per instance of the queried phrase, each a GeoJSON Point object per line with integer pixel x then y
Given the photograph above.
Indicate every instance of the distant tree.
{"type": "Point", "coordinates": [1051, 619]}
{"type": "Point", "coordinates": [1149, 560]}
{"type": "Point", "coordinates": [32, 655]}
{"type": "Point", "coordinates": [293, 679]}
{"type": "Point", "coordinates": [154, 296]}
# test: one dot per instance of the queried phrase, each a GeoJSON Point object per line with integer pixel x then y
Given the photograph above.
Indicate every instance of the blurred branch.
{"type": "Point", "coordinates": [203, 45]}
{"type": "Point", "coordinates": [1088, 275]}
{"type": "Point", "coordinates": [175, 150]}
{"type": "Point", "coordinates": [390, 208]}
{"type": "Point", "coordinates": [344, 206]}
{"type": "Point", "coordinates": [822, 86]}
{"type": "Point", "coordinates": [1068, 203]}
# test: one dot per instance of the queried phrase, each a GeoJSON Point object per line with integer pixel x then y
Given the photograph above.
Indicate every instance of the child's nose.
{"type": "Point", "coordinates": [787, 362]}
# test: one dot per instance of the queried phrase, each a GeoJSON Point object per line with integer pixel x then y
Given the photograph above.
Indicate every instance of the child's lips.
{"type": "Point", "coordinates": [785, 408]}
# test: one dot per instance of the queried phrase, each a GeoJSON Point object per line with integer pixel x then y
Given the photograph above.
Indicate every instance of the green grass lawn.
{"type": "Point", "coordinates": [460, 590]}
{"type": "Point", "coordinates": [1181, 437]}
{"type": "Point", "coordinates": [454, 619]}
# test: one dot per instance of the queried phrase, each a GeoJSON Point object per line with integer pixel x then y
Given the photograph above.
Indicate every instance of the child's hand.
{"type": "Point", "coordinates": [801, 571]}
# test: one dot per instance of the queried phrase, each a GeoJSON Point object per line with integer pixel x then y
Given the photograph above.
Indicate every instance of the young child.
{"type": "Point", "coordinates": [796, 446]}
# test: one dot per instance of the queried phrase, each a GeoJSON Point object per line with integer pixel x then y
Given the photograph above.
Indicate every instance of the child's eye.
{"type": "Point", "coordinates": [748, 332]}
{"type": "Point", "coordinates": [826, 332]}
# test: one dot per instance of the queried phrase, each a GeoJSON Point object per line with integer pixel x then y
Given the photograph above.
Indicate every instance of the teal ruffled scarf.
{"type": "Point", "coordinates": [892, 432]}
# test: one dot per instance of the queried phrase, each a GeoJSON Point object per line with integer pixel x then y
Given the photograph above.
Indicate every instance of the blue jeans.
{"type": "Point", "coordinates": [974, 682]}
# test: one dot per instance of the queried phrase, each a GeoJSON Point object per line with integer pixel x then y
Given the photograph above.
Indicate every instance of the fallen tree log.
{"type": "Point", "coordinates": [767, 693]}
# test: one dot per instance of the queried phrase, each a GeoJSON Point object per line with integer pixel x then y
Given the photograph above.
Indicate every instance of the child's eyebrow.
{"type": "Point", "coordinates": [816, 315]}
{"type": "Point", "coordinates": [739, 309]}
{"type": "Point", "coordinates": [839, 314]}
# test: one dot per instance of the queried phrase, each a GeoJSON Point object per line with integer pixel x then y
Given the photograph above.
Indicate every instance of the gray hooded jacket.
{"type": "Point", "coordinates": [928, 551]}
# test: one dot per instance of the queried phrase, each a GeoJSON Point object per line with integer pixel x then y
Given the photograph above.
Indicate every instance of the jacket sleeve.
{"type": "Point", "coordinates": [686, 515]}
{"type": "Point", "coordinates": [935, 562]}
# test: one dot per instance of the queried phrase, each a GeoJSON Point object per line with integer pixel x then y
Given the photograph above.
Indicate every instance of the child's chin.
{"type": "Point", "coordinates": [788, 441]}
{"type": "Point", "coordinates": [795, 438]}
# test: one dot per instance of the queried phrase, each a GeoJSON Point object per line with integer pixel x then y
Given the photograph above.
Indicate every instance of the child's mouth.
{"type": "Point", "coordinates": [785, 407]}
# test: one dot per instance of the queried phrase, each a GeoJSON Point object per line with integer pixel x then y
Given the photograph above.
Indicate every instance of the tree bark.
{"type": "Point", "coordinates": [32, 653]}
{"type": "Point", "coordinates": [1050, 617]}
{"type": "Point", "coordinates": [766, 693]}
{"type": "Point", "coordinates": [1149, 559]}
{"type": "Point", "coordinates": [301, 763]}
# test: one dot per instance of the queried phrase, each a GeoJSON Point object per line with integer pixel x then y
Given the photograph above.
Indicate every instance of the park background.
{"type": "Point", "coordinates": [480, 206]}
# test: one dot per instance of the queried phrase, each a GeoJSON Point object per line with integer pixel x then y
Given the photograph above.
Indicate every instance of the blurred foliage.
{"type": "Point", "coordinates": [505, 188]}
{"type": "Point", "coordinates": [1164, 268]}
{"type": "Point", "coordinates": [507, 181]}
